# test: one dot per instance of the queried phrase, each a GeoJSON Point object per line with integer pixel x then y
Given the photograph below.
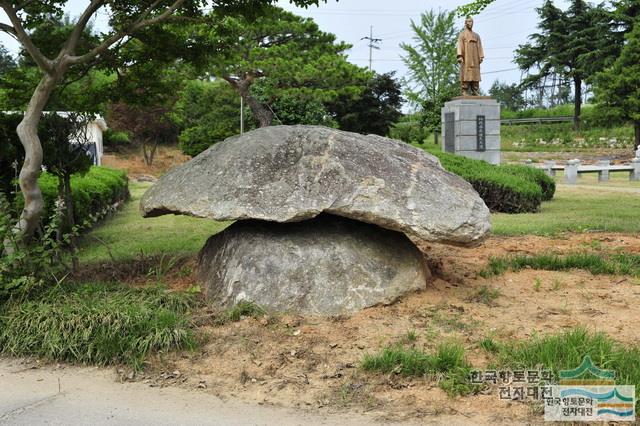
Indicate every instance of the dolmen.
{"type": "Point", "coordinates": [326, 221]}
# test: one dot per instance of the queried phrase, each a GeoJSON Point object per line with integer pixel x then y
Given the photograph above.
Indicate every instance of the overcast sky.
{"type": "Point", "coordinates": [502, 26]}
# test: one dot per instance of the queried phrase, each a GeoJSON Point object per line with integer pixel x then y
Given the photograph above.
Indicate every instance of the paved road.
{"type": "Point", "coordinates": [91, 396]}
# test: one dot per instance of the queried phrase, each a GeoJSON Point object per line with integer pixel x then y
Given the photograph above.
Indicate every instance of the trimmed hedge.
{"type": "Point", "coordinates": [506, 189]}
{"type": "Point", "coordinates": [93, 193]}
{"type": "Point", "coordinates": [547, 184]}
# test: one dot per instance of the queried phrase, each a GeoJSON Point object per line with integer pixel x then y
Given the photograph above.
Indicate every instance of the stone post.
{"type": "Point", "coordinates": [471, 128]}
{"type": "Point", "coordinates": [603, 175]}
{"type": "Point", "coordinates": [571, 171]}
{"type": "Point", "coordinates": [548, 168]}
{"type": "Point", "coordinates": [635, 173]}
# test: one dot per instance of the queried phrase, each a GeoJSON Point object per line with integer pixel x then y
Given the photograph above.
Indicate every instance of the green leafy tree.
{"type": "Point", "coordinates": [571, 44]}
{"type": "Point", "coordinates": [618, 87]}
{"type": "Point", "coordinates": [6, 60]}
{"type": "Point", "coordinates": [288, 54]}
{"type": "Point", "coordinates": [374, 111]}
{"type": "Point", "coordinates": [431, 60]}
{"type": "Point", "coordinates": [510, 96]}
{"type": "Point", "coordinates": [206, 113]}
{"type": "Point", "coordinates": [126, 18]}
{"type": "Point", "coordinates": [473, 8]}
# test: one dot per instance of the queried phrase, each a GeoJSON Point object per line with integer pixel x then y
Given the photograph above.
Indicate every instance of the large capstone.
{"type": "Point", "coordinates": [295, 173]}
{"type": "Point", "coordinates": [327, 265]}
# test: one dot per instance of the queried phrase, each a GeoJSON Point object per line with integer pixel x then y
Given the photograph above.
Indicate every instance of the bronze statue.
{"type": "Point", "coordinates": [470, 55]}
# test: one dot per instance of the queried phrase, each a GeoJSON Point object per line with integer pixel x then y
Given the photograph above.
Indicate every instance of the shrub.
{"type": "Point", "coordinates": [547, 184]}
{"type": "Point", "coordinates": [97, 323]}
{"type": "Point", "coordinates": [25, 269]}
{"type": "Point", "coordinates": [506, 189]}
{"type": "Point", "coordinates": [92, 193]}
{"type": "Point", "coordinates": [114, 138]}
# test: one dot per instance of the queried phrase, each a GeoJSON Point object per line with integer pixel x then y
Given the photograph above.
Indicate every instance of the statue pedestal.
{"type": "Point", "coordinates": [471, 128]}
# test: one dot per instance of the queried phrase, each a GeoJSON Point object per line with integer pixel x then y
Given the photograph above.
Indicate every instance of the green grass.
{"type": "Point", "coordinates": [597, 264]}
{"type": "Point", "coordinates": [448, 362]}
{"type": "Point", "coordinates": [242, 309]}
{"type": "Point", "coordinates": [576, 209]}
{"type": "Point", "coordinates": [98, 324]}
{"type": "Point", "coordinates": [486, 295]}
{"type": "Point", "coordinates": [565, 351]}
{"type": "Point", "coordinates": [127, 234]}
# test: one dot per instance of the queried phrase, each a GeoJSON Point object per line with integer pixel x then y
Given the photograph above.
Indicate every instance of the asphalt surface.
{"type": "Point", "coordinates": [92, 396]}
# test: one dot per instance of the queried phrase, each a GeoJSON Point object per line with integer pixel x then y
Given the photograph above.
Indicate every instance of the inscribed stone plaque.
{"type": "Point", "coordinates": [449, 134]}
{"type": "Point", "coordinates": [481, 133]}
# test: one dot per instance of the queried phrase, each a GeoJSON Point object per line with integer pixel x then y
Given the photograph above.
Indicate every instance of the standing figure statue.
{"type": "Point", "coordinates": [470, 55]}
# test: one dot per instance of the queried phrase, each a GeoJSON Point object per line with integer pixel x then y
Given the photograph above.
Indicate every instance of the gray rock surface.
{"type": "Point", "coordinates": [327, 265]}
{"type": "Point", "coordinates": [293, 173]}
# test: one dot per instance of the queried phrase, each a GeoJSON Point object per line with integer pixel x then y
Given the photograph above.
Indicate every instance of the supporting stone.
{"type": "Point", "coordinates": [635, 173]}
{"type": "Point", "coordinates": [548, 168]}
{"type": "Point", "coordinates": [324, 266]}
{"type": "Point", "coordinates": [471, 128]}
{"type": "Point", "coordinates": [571, 171]}
{"type": "Point", "coordinates": [603, 175]}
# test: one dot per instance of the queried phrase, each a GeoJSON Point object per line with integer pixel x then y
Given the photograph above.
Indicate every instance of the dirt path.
{"type": "Point", "coordinates": [312, 362]}
{"type": "Point", "coordinates": [91, 396]}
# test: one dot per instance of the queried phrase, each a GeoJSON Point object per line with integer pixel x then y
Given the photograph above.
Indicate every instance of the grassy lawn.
{"type": "Point", "coordinates": [613, 207]}
{"type": "Point", "coordinates": [127, 234]}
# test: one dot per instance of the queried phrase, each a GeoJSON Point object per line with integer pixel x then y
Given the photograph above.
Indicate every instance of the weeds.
{"type": "Point", "coordinates": [98, 324]}
{"type": "Point", "coordinates": [597, 264]}
{"type": "Point", "coordinates": [566, 351]}
{"type": "Point", "coordinates": [486, 295]}
{"type": "Point", "coordinates": [411, 336]}
{"type": "Point", "coordinates": [449, 323]}
{"type": "Point", "coordinates": [489, 345]}
{"type": "Point", "coordinates": [162, 267]}
{"type": "Point", "coordinates": [448, 363]}
{"type": "Point", "coordinates": [537, 284]}
{"type": "Point", "coordinates": [242, 309]}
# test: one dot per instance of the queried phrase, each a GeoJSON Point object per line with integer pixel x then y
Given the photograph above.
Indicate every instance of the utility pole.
{"type": "Point", "coordinates": [241, 115]}
{"type": "Point", "coordinates": [372, 45]}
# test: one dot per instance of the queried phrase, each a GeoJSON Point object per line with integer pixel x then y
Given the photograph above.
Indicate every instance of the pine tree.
{"type": "Point", "coordinates": [572, 44]}
{"type": "Point", "coordinates": [618, 87]}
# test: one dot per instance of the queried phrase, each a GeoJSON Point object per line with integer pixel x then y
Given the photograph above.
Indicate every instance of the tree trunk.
{"type": "Point", "coordinates": [577, 84]}
{"type": "Point", "coordinates": [70, 221]}
{"type": "Point", "coordinates": [28, 134]}
{"type": "Point", "coordinates": [149, 154]}
{"type": "Point", "coordinates": [636, 126]}
{"type": "Point", "coordinates": [260, 112]}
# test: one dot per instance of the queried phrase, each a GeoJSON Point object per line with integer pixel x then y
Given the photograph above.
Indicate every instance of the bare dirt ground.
{"type": "Point", "coordinates": [591, 156]}
{"type": "Point", "coordinates": [166, 158]}
{"type": "Point", "coordinates": [312, 362]}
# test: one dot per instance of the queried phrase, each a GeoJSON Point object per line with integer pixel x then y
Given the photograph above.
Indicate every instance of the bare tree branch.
{"type": "Point", "coordinates": [139, 24]}
{"type": "Point", "coordinates": [8, 29]}
{"type": "Point", "coordinates": [42, 61]}
{"type": "Point", "coordinates": [72, 42]}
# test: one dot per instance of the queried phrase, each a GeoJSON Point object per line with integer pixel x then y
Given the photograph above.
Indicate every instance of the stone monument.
{"type": "Point", "coordinates": [327, 222]}
{"type": "Point", "coordinates": [471, 123]}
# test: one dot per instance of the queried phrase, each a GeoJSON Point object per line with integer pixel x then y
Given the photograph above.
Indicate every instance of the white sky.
{"type": "Point", "coordinates": [502, 26]}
